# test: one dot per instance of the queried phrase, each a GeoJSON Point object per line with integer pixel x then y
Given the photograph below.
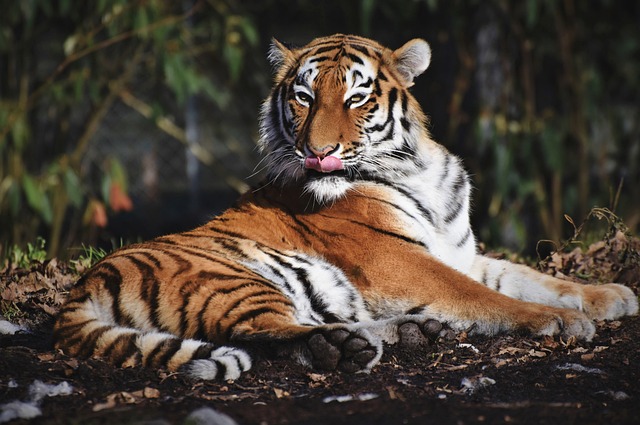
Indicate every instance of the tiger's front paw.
{"type": "Point", "coordinates": [344, 349]}
{"type": "Point", "coordinates": [608, 302]}
{"type": "Point", "coordinates": [561, 321]}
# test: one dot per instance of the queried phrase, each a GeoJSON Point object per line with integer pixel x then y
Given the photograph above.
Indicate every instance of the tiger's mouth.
{"type": "Point", "coordinates": [327, 164]}
{"type": "Point", "coordinates": [315, 175]}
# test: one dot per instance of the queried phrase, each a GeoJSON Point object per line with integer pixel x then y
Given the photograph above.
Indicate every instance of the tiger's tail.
{"type": "Point", "coordinates": [84, 328]}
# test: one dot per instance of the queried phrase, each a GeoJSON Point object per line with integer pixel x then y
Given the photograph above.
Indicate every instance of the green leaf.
{"type": "Point", "coordinates": [64, 7]}
{"type": "Point", "coordinates": [553, 147]}
{"type": "Point", "coordinates": [20, 132]}
{"type": "Point", "coordinates": [118, 174]}
{"type": "Point", "coordinates": [36, 198]}
{"type": "Point", "coordinates": [366, 12]}
{"type": "Point", "coordinates": [73, 188]}
{"type": "Point", "coordinates": [532, 13]}
{"type": "Point", "coordinates": [14, 198]}
{"type": "Point", "coordinates": [233, 57]}
{"type": "Point", "coordinates": [106, 188]}
{"type": "Point", "coordinates": [174, 76]}
{"type": "Point", "coordinates": [141, 21]}
{"type": "Point", "coordinates": [250, 32]}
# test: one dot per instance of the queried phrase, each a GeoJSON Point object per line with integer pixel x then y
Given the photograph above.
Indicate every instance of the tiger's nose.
{"type": "Point", "coordinates": [322, 151]}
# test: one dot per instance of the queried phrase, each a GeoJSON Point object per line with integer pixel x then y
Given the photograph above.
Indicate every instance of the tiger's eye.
{"type": "Point", "coordinates": [303, 98]}
{"type": "Point", "coordinates": [356, 100]}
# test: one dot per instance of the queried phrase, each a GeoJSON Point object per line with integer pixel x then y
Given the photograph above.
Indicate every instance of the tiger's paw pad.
{"type": "Point", "coordinates": [225, 363]}
{"type": "Point", "coordinates": [344, 350]}
{"type": "Point", "coordinates": [415, 334]}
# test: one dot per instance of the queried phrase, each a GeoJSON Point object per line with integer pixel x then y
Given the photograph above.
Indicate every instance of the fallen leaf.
{"type": "Point", "coordinates": [46, 357]}
{"type": "Point", "coordinates": [280, 393]}
{"type": "Point", "coordinates": [536, 353]}
{"type": "Point", "coordinates": [149, 392]}
{"type": "Point", "coordinates": [317, 377]}
{"type": "Point", "coordinates": [511, 350]}
{"type": "Point", "coordinates": [115, 399]}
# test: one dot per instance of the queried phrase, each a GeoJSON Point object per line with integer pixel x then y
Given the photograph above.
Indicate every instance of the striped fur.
{"type": "Point", "coordinates": [361, 226]}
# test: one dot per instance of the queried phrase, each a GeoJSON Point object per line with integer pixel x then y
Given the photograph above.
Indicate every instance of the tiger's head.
{"type": "Point", "coordinates": [340, 111]}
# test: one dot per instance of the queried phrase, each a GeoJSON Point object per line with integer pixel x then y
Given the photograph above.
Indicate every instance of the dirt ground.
{"type": "Point", "coordinates": [456, 380]}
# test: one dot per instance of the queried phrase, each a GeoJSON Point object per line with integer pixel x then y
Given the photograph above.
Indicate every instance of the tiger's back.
{"type": "Point", "coordinates": [362, 225]}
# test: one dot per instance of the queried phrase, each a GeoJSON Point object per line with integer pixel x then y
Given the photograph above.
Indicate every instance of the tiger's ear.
{"type": "Point", "coordinates": [279, 54]}
{"type": "Point", "coordinates": [412, 59]}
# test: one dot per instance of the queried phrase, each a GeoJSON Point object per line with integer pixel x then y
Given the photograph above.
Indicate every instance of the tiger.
{"type": "Point", "coordinates": [360, 226]}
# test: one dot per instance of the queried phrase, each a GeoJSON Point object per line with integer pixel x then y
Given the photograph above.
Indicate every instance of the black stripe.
{"type": "Point", "coordinates": [498, 281]}
{"type": "Point", "coordinates": [445, 170]}
{"type": "Point", "coordinates": [319, 59]}
{"type": "Point", "coordinates": [426, 214]}
{"type": "Point", "coordinates": [71, 335]}
{"type": "Point", "coordinates": [382, 231]}
{"type": "Point", "coordinates": [172, 346]}
{"type": "Point", "coordinates": [393, 97]}
{"type": "Point", "coordinates": [366, 83]}
{"type": "Point", "coordinates": [361, 49]}
{"type": "Point", "coordinates": [183, 264]}
{"type": "Point", "coordinates": [149, 358]}
{"type": "Point", "coordinates": [285, 208]}
{"type": "Point", "coordinates": [108, 351]}
{"type": "Point", "coordinates": [456, 210]}
{"type": "Point", "coordinates": [328, 48]}
{"type": "Point", "coordinates": [202, 352]}
{"type": "Point", "coordinates": [354, 58]}
{"type": "Point", "coordinates": [112, 279]}
{"type": "Point", "coordinates": [317, 304]}
{"type": "Point", "coordinates": [201, 332]}
{"type": "Point", "coordinates": [403, 120]}
{"type": "Point", "coordinates": [152, 258]}
{"type": "Point", "coordinates": [377, 89]}
{"type": "Point", "coordinates": [464, 239]}
{"type": "Point", "coordinates": [129, 349]}
{"type": "Point", "coordinates": [89, 341]}
{"type": "Point", "coordinates": [149, 289]}
{"type": "Point", "coordinates": [404, 99]}
{"type": "Point", "coordinates": [416, 310]}
{"type": "Point", "coordinates": [218, 258]}
{"type": "Point", "coordinates": [250, 315]}
{"type": "Point", "coordinates": [222, 369]}
{"type": "Point", "coordinates": [253, 304]}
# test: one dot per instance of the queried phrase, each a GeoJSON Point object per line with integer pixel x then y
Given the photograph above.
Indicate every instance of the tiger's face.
{"type": "Point", "coordinates": [340, 111]}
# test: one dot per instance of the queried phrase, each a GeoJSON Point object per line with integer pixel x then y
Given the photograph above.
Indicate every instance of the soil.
{"type": "Point", "coordinates": [459, 379]}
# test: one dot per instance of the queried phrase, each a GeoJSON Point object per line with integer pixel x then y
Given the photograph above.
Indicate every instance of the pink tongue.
{"type": "Point", "coordinates": [324, 165]}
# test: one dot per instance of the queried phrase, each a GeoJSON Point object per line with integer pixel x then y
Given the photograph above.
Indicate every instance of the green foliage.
{"type": "Point", "coordinates": [90, 256]}
{"type": "Point", "coordinates": [88, 55]}
{"type": "Point", "coordinates": [17, 257]}
{"type": "Point", "coordinates": [556, 133]}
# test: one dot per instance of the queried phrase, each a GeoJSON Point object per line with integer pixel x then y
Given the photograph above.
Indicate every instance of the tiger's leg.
{"type": "Point", "coordinates": [600, 302]}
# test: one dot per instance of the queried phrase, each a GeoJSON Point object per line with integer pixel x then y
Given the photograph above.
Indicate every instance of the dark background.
{"type": "Point", "coordinates": [156, 102]}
